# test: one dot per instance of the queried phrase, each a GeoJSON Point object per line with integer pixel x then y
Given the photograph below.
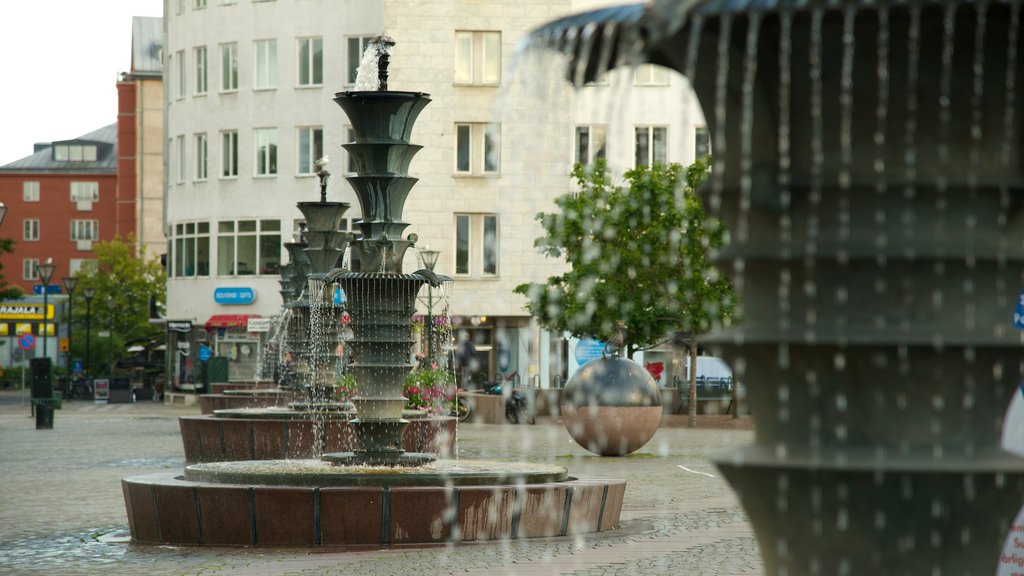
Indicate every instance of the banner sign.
{"type": "Point", "coordinates": [183, 326]}
{"type": "Point", "coordinates": [234, 296]}
{"type": "Point", "coordinates": [13, 311]}
{"type": "Point", "coordinates": [259, 325]}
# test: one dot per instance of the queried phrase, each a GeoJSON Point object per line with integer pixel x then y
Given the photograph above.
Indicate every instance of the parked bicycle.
{"type": "Point", "coordinates": [517, 408]}
{"type": "Point", "coordinates": [461, 408]}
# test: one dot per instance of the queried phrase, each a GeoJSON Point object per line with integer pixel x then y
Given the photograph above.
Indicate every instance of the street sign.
{"type": "Point", "coordinates": [77, 366]}
{"type": "Point", "coordinates": [51, 289]}
{"type": "Point", "coordinates": [26, 341]}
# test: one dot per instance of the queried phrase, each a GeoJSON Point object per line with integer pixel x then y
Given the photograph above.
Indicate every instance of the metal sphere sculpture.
{"type": "Point", "coordinates": [611, 406]}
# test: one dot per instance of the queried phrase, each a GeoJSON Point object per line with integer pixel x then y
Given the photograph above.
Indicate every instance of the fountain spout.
{"type": "Point", "coordinates": [384, 45]}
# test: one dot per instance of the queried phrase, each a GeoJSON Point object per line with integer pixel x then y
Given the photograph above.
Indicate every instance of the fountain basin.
{"type": "Point", "coordinates": [168, 508]}
{"type": "Point", "coordinates": [232, 399]}
{"type": "Point", "coordinates": [279, 433]}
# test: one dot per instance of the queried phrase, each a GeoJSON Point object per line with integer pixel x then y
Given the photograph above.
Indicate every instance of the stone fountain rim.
{"type": "Point", "coordinates": [299, 473]}
{"type": "Point", "coordinates": [380, 94]}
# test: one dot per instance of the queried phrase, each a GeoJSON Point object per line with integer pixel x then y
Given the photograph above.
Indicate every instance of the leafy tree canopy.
{"type": "Point", "coordinates": [7, 291]}
{"type": "Point", "coordinates": [124, 283]}
{"type": "Point", "coordinates": [638, 252]}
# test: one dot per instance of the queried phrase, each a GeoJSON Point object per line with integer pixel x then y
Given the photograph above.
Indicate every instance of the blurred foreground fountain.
{"type": "Point", "coordinates": [376, 493]}
{"type": "Point", "coordinates": [867, 161]}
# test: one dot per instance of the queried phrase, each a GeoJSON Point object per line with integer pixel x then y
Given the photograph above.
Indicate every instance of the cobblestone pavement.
{"type": "Point", "coordinates": [61, 504]}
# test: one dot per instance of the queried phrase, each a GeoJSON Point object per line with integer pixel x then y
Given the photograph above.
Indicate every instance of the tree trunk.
{"type": "Point", "coordinates": [692, 420]}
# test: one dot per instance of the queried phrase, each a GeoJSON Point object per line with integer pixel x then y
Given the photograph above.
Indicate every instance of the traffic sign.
{"type": "Point", "coordinates": [27, 341]}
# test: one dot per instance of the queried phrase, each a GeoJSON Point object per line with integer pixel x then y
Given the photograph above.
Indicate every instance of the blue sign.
{"type": "Point", "coordinates": [1018, 312]}
{"type": "Point", "coordinates": [587, 349]}
{"type": "Point", "coordinates": [204, 353]}
{"type": "Point", "coordinates": [77, 366]}
{"type": "Point", "coordinates": [234, 296]}
{"type": "Point", "coordinates": [340, 298]}
{"type": "Point", "coordinates": [27, 341]}
{"type": "Point", "coordinates": [50, 289]}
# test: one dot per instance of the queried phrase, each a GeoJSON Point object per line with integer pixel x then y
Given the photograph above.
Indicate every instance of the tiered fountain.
{"type": "Point", "coordinates": [377, 493]}
{"type": "Point", "coordinates": [867, 159]}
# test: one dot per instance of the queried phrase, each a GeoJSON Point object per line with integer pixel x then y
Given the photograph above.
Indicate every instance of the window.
{"type": "Point", "coordinates": [243, 251]}
{"type": "Point", "coordinates": [311, 147]}
{"type": "Point", "coordinates": [591, 143]}
{"type": "Point", "coordinates": [30, 191]}
{"type": "Point", "coordinates": [199, 5]}
{"type": "Point", "coordinates": [228, 2]}
{"type": "Point", "coordinates": [200, 156]}
{"type": "Point", "coordinates": [477, 57]}
{"type": "Point", "coordinates": [179, 175]}
{"type": "Point", "coordinates": [651, 142]}
{"type": "Point", "coordinates": [701, 142]}
{"type": "Point", "coordinates": [476, 244]}
{"type": "Point", "coordinates": [30, 269]}
{"type": "Point", "coordinates": [180, 55]}
{"type": "Point", "coordinates": [85, 191]}
{"type": "Point", "coordinates": [85, 230]}
{"type": "Point", "coordinates": [74, 152]}
{"type": "Point", "coordinates": [356, 47]}
{"type": "Point", "coordinates": [311, 61]}
{"type": "Point", "coordinates": [191, 244]}
{"type": "Point", "coordinates": [199, 53]}
{"type": "Point", "coordinates": [76, 264]}
{"type": "Point", "coordinates": [266, 64]}
{"type": "Point", "coordinates": [477, 148]}
{"type": "Point", "coordinates": [650, 75]}
{"type": "Point", "coordinates": [229, 154]}
{"type": "Point", "coordinates": [30, 229]}
{"type": "Point", "coordinates": [266, 151]}
{"type": "Point", "coordinates": [229, 67]}
{"type": "Point", "coordinates": [179, 7]}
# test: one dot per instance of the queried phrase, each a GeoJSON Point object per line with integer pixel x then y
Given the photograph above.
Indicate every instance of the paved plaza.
{"type": "Point", "coordinates": [62, 510]}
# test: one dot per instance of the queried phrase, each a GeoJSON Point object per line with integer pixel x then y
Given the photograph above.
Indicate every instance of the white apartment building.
{"type": "Point", "coordinates": [248, 90]}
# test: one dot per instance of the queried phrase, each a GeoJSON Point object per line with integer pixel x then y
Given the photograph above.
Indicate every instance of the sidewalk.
{"type": "Point", "coordinates": [62, 495]}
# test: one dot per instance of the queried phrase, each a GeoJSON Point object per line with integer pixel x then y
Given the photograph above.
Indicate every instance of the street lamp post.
{"type": "Point", "coordinates": [70, 283]}
{"type": "Point", "coordinates": [3, 212]}
{"type": "Point", "coordinates": [88, 292]}
{"type": "Point", "coordinates": [430, 260]}
{"type": "Point", "coordinates": [45, 273]}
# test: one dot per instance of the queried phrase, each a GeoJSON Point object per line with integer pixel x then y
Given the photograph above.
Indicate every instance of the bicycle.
{"type": "Point", "coordinates": [461, 407]}
{"type": "Point", "coordinates": [517, 407]}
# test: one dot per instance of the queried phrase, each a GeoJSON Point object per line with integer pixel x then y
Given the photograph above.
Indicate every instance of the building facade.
{"type": "Point", "coordinates": [248, 110]}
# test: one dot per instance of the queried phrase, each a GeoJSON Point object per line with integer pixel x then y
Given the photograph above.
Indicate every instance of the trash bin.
{"type": "Point", "coordinates": [57, 401]}
{"type": "Point", "coordinates": [44, 414]}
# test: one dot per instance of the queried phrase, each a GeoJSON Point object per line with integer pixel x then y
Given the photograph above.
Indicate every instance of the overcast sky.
{"type": "Point", "coordinates": [60, 61]}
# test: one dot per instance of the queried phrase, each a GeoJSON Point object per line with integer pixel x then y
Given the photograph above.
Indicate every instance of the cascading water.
{"type": "Point", "coordinates": [863, 158]}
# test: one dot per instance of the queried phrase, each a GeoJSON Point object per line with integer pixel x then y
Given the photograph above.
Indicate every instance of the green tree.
{"type": "Point", "coordinates": [124, 282]}
{"type": "Point", "coordinates": [7, 291]}
{"type": "Point", "coordinates": [638, 253]}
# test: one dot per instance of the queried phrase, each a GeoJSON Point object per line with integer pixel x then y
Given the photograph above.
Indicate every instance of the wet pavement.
{"type": "Point", "coordinates": [62, 510]}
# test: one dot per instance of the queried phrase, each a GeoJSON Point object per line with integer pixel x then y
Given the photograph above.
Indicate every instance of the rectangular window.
{"type": "Point", "coordinates": [311, 147]}
{"type": "Point", "coordinates": [356, 47]}
{"type": "Point", "coordinates": [200, 156]}
{"type": "Point", "coordinates": [476, 244]}
{"type": "Point", "coordinates": [179, 7]}
{"type": "Point", "coordinates": [248, 247]}
{"type": "Point", "coordinates": [85, 191]}
{"type": "Point", "coordinates": [266, 151]}
{"type": "Point", "coordinates": [462, 243]}
{"type": "Point", "coordinates": [179, 174]}
{"type": "Point", "coordinates": [30, 229]}
{"type": "Point", "coordinates": [311, 61]}
{"type": "Point", "coordinates": [229, 154]}
{"type": "Point", "coordinates": [199, 53]}
{"type": "Point", "coordinates": [591, 143]}
{"type": "Point", "coordinates": [180, 55]}
{"type": "Point", "coordinates": [651, 145]}
{"type": "Point", "coordinates": [85, 230]}
{"type": "Point", "coordinates": [229, 67]}
{"type": "Point", "coordinates": [199, 5]}
{"type": "Point", "coordinates": [650, 75]}
{"type": "Point", "coordinates": [701, 142]}
{"type": "Point", "coordinates": [74, 153]}
{"type": "Point", "coordinates": [477, 148]}
{"type": "Point", "coordinates": [30, 269]}
{"type": "Point", "coordinates": [265, 64]}
{"type": "Point", "coordinates": [477, 57]}
{"type": "Point", "coordinates": [191, 243]}
{"type": "Point", "coordinates": [30, 191]}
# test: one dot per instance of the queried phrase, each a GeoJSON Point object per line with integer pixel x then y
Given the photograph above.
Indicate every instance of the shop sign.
{"type": "Point", "coordinates": [101, 389]}
{"type": "Point", "coordinates": [588, 349]}
{"type": "Point", "coordinates": [13, 311]}
{"type": "Point", "coordinates": [259, 325]}
{"type": "Point", "coordinates": [234, 295]}
{"type": "Point", "coordinates": [183, 326]}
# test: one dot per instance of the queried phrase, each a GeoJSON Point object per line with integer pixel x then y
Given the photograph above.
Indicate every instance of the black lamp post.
{"type": "Point", "coordinates": [430, 260]}
{"type": "Point", "coordinates": [70, 283]}
{"type": "Point", "coordinates": [88, 292]}
{"type": "Point", "coordinates": [3, 212]}
{"type": "Point", "coordinates": [45, 273]}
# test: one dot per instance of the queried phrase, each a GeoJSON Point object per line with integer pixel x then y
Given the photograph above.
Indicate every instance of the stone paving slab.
{"type": "Point", "coordinates": [61, 492]}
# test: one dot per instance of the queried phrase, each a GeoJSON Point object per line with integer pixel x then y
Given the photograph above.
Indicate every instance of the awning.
{"type": "Point", "coordinates": [229, 320]}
